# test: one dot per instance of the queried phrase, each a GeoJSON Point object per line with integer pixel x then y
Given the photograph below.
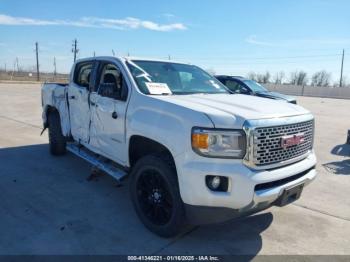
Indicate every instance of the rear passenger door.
{"type": "Point", "coordinates": [78, 98]}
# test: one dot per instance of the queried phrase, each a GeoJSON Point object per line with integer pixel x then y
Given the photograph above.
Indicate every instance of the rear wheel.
{"type": "Point", "coordinates": [56, 139]}
{"type": "Point", "coordinates": [155, 194]}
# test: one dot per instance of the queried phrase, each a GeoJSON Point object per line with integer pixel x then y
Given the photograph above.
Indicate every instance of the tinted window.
{"type": "Point", "coordinates": [233, 86]}
{"type": "Point", "coordinates": [256, 87]}
{"type": "Point", "coordinates": [83, 74]}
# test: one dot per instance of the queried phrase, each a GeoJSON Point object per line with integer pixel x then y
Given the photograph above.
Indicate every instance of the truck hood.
{"type": "Point", "coordinates": [230, 111]}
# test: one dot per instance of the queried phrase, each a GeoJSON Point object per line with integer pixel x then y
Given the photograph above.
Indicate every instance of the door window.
{"type": "Point", "coordinates": [111, 82]}
{"type": "Point", "coordinates": [236, 87]}
{"type": "Point", "coordinates": [83, 74]}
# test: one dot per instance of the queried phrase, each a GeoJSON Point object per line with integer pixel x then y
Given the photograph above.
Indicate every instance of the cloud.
{"type": "Point", "coordinates": [252, 39]}
{"type": "Point", "coordinates": [168, 15]}
{"type": "Point", "coordinates": [127, 23]}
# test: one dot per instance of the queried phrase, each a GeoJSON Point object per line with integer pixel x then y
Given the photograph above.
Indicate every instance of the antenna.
{"type": "Point", "coordinates": [113, 52]}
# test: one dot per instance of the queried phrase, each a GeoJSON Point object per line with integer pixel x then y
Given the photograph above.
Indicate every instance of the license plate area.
{"type": "Point", "coordinates": [290, 195]}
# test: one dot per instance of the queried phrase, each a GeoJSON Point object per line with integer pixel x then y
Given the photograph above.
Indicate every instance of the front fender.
{"type": "Point", "coordinates": [166, 123]}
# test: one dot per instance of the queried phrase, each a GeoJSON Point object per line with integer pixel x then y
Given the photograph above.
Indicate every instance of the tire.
{"type": "Point", "coordinates": [155, 194]}
{"type": "Point", "coordinates": [56, 139]}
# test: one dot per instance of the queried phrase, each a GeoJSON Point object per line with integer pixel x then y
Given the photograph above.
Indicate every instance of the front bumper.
{"type": "Point", "coordinates": [245, 195]}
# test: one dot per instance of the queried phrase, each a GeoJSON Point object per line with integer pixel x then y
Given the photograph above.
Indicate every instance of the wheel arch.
{"type": "Point", "coordinates": [140, 146]}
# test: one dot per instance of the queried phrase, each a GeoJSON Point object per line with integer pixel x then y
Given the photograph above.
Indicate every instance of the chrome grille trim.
{"type": "Point", "coordinates": [264, 150]}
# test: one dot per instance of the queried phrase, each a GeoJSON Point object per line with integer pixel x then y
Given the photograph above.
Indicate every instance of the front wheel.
{"type": "Point", "coordinates": [155, 194]}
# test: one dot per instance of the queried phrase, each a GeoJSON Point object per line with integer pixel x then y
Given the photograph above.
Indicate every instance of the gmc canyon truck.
{"type": "Point", "coordinates": [194, 152]}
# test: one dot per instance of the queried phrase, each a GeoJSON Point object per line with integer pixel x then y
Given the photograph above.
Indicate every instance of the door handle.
{"type": "Point", "coordinates": [114, 115]}
{"type": "Point", "coordinates": [72, 97]}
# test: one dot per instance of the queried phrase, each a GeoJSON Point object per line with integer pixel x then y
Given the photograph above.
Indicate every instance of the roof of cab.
{"type": "Point", "coordinates": [129, 58]}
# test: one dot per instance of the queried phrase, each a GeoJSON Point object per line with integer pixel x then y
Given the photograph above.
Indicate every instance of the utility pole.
{"type": "Point", "coordinates": [75, 50]}
{"type": "Point", "coordinates": [37, 61]}
{"type": "Point", "coordinates": [54, 66]}
{"type": "Point", "coordinates": [5, 68]}
{"type": "Point", "coordinates": [17, 64]}
{"type": "Point", "coordinates": [341, 70]}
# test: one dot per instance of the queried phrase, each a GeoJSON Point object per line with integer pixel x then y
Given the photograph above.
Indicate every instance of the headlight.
{"type": "Point", "coordinates": [222, 143]}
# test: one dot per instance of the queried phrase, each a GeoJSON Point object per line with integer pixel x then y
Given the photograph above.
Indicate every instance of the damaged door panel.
{"type": "Point", "coordinates": [78, 99]}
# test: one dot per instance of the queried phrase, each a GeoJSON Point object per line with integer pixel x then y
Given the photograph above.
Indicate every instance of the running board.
{"type": "Point", "coordinates": [98, 161]}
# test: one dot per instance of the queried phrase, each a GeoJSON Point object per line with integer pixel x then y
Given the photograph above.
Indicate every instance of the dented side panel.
{"type": "Point", "coordinates": [54, 96]}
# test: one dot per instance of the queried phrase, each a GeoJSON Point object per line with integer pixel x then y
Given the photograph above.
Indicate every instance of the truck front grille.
{"type": "Point", "coordinates": [267, 143]}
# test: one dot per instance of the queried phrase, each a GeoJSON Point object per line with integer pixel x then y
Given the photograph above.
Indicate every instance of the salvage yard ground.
{"type": "Point", "coordinates": [47, 205]}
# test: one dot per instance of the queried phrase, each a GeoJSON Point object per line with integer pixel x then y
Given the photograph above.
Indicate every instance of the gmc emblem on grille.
{"type": "Point", "coordinates": [292, 140]}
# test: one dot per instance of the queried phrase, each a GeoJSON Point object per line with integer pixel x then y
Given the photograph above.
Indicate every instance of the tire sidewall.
{"type": "Point", "coordinates": [169, 176]}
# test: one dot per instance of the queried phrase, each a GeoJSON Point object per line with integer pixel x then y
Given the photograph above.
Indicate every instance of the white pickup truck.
{"type": "Point", "coordinates": [194, 153]}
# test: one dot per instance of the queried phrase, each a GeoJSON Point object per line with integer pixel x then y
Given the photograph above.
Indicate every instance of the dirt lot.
{"type": "Point", "coordinates": [48, 207]}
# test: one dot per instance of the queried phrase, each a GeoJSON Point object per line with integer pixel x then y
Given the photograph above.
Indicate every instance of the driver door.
{"type": "Point", "coordinates": [108, 108]}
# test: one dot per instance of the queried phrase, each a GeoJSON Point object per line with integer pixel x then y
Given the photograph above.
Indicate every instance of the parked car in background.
{"type": "Point", "coordinates": [241, 85]}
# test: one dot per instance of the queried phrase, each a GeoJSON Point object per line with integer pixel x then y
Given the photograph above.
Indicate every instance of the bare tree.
{"type": "Point", "coordinates": [263, 78]}
{"type": "Point", "coordinates": [266, 77]}
{"type": "Point", "coordinates": [298, 78]}
{"type": "Point", "coordinates": [278, 77]}
{"type": "Point", "coordinates": [252, 76]}
{"type": "Point", "coordinates": [321, 78]}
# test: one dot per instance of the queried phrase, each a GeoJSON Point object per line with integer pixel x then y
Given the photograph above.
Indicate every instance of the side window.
{"type": "Point", "coordinates": [83, 74]}
{"type": "Point", "coordinates": [233, 86]}
{"type": "Point", "coordinates": [111, 82]}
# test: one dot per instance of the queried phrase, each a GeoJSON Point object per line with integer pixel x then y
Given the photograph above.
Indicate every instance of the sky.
{"type": "Point", "coordinates": [227, 36]}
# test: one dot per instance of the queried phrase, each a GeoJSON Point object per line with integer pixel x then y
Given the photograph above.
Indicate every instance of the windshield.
{"type": "Point", "coordinates": [159, 78]}
{"type": "Point", "coordinates": [256, 87]}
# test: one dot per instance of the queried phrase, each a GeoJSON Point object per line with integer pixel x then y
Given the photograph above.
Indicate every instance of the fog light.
{"type": "Point", "coordinates": [217, 183]}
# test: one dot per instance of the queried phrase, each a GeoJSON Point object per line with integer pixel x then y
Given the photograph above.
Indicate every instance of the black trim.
{"type": "Point", "coordinates": [203, 215]}
{"type": "Point", "coordinates": [283, 181]}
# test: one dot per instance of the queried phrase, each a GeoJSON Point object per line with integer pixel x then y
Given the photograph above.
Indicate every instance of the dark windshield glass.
{"type": "Point", "coordinates": [256, 87]}
{"type": "Point", "coordinates": [178, 78]}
